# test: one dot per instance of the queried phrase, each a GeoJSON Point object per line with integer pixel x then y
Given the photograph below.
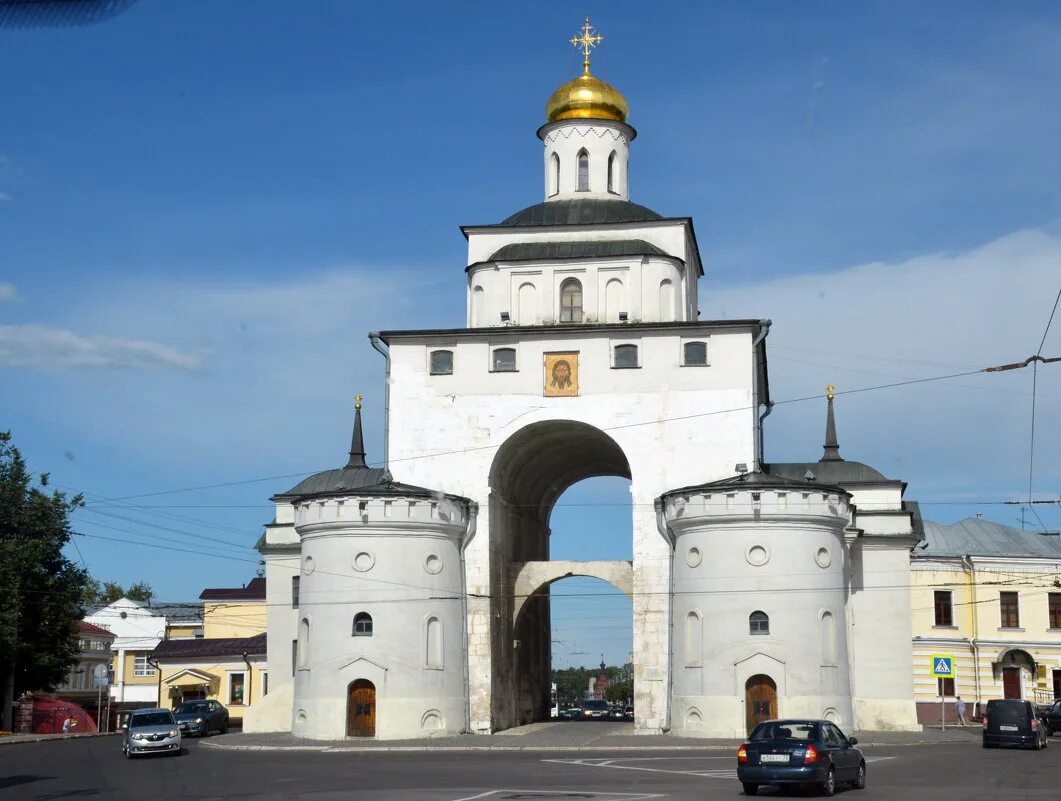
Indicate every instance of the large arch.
{"type": "Point", "coordinates": [530, 471]}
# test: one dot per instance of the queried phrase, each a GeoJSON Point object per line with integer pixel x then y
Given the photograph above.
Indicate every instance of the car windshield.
{"type": "Point", "coordinates": [1015, 710]}
{"type": "Point", "coordinates": [151, 719]}
{"type": "Point", "coordinates": [596, 705]}
{"type": "Point", "coordinates": [786, 730]}
{"type": "Point", "coordinates": [192, 706]}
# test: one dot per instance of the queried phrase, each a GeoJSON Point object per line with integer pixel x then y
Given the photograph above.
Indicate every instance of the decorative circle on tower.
{"type": "Point", "coordinates": [433, 565]}
{"type": "Point", "coordinates": [694, 557]}
{"type": "Point", "coordinates": [823, 557]}
{"type": "Point", "coordinates": [757, 555]}
{"type": "Point", "coordinates": [308, 565]}
{"type": "Point", "coordinates": [364, 562]}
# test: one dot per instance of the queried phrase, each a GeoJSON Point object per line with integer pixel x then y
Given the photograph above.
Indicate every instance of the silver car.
{"type": "Point", "coordinates": [151, 731]}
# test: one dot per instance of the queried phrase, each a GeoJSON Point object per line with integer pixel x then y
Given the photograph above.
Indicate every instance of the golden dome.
{"type": "Point", "coordinates": [586, 97]}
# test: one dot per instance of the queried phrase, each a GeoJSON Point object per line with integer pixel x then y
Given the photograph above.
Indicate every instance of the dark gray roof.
{"type": "Point", "coordinates": [253, 591]}
{"type": "Point", "coordinates": [214, 647]}
{"type": "Point", "coordinates": [581, 211]}
{"type": "Point", "coordinates": [537, 251]}
{"type": "Point", "coordinates": [832, 472]}
{"type": "Point", "coordinates": [190, 612]}
{"type": "Point", "coordinates": [760, 481]}
{"type": "Point", "coordinates": [977, 537]}
{"type": "Point", "coordinates": [351, 481]}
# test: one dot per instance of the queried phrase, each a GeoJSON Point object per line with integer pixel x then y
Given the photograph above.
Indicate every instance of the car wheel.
{"type": "Point", "coordinates": [224, 728]}
{"type": "Point", "coordinates": [1037, 745]}
{"type": "Point", "coordinates": [860, 778]}
{"type": "Point", "coordinates": [750, 789]}
{"type": "Point", "coordinates": [829, 785]}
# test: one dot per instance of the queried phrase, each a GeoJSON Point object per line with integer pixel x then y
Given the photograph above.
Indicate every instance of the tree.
{"type": "Point", "coordinates": [619, 692]}
{"type": "Point", "coordinates": [42, 590]}
{"type": "Point", "coordinates": [101, 594]}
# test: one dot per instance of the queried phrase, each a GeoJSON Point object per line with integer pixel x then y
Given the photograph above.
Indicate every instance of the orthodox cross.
{"type": "Point", "coordinates": [830, 389]}
{"type": "Point", "coordinates": [357, 401]}
{"type": "Point", "coordinates": [586, 42]}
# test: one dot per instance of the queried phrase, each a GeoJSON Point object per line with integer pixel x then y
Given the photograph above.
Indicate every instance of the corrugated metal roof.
{"type": "Point", "coordinates": [581, 211]}
{"type": "Point", "coordinates": [221, 646]}
{"type": "Point", "coordinates": [537, 251]}
{"type": "Point", "coordinates": [978, 537]}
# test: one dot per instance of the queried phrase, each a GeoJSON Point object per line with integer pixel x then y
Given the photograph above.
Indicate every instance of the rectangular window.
{"type": "Point", "coordinates": [694, 354]}
{"type": "Point", "coordinates": [294, 656]}
{"type": "Point", "coordinates": [294, 591]}
{"type": "Point", "coordinates": [1055, 610]}
{"type": "Point", "coordinates": [441, 362]}
{"type": "Point", "coordinates": [625, 356]}
{"type": "Point", "coordinates": [1009, 608]}
{"type": "Point", "coordinates": [504, 360]}
{"type": "Point", "coordinates": [944, 608]}
{"type": "Point", "coordinates": [265, 683]}
{"type": "Point", "coordinates": [945, 688]}
{"type": "Point", "coordinates": [235, 688]}
{"type": "Point", "coordinates": [141, 667]}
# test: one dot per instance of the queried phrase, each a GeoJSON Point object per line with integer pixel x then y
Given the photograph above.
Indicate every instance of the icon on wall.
{"type": "Point", "coordinates": [561, 375]}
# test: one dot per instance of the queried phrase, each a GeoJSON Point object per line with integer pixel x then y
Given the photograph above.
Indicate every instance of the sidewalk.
{"type": "Point", "coordinates": [559, 736]}
{"type": "Point", "coordinates": [14, 739]}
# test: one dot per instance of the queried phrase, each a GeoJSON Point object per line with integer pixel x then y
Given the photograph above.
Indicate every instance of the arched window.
{"type": "Point", "coordinates": [583, 171]}
{"type": "Point", "coordinates": [554, 175]}
{"type": "Point", "coordinates": [504, 360]}
{"type": "Point", "coordinates": [441, 362]}
{"type": "Point", "coordinates": [303, 643]}
{"type": "Point", "coordinates": [828, 625]}
{"type": "Point", "coordinates": [625, 356]}
{"type": "Point", "coordinates": [362, 624]}
{"type": "Point", "coordinates": [571, 301]}
{"type": "Point", "coordinates": [694, 354]}
{"type": "Point", "coordinates": [433, 650]}
{"type": "Point", "coordinates": [666, 300]}
{"type": "Point", "coordinates": [611, 173]}
{"type": "Point", "coordinates": [694, 640]}
{"type": "Point", "coordinates": [759, 623]}
{"type": "Point", "coordinates": [478, 312]}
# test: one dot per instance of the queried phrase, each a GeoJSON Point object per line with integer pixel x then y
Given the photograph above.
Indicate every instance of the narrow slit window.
{"type": "Point", "coordinates": [504, 360]}
{"type": "Point", "coordinates": [583, 171]}
{"type": "Point", "coordinates": [611, 173]}
{"type": "Point", "coordinates": [441, 362]}
{"type": "Point", "coordinates": [554, 177]}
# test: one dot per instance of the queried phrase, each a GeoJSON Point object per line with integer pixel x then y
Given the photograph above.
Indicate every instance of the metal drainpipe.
{"type": "Point", "coordinates": [378, 344]}
{"type": "Point", "coordinates": [764, 329]}
{"type": "Point", "coordinates": [967, 565]}
{"type": "Point", "coordinates": [473, 515]}
{"type": "Point", "coordinates": [250, 681]}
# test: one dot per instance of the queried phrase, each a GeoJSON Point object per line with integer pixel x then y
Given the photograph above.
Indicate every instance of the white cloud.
{"type": "Point", "coordinates": [55, 348]}
{"type": "Point", "coordinates": [7, 292]}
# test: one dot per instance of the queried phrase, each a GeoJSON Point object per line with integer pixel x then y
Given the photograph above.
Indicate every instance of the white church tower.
{"type": "Point", "coordinates": [583, 355]}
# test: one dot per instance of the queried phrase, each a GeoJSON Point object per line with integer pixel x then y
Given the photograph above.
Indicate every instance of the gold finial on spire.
{"type": "Point", "coordinates": [357, 401]}
{"type": "Point", "coordinates": [586, 42]}
{"type": "Point", "coordinates": [830, 389]}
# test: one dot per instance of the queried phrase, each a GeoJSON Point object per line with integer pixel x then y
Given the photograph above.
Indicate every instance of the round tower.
{"type": "Point", "coordinates": [380, 629]}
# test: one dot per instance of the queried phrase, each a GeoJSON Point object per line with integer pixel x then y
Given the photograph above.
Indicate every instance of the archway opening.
{"type": "Point", "coordinates": [531, 534]}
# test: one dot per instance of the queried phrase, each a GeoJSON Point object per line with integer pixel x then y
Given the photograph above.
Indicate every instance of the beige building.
{"type": "Point", "coordinates": [990, 596]}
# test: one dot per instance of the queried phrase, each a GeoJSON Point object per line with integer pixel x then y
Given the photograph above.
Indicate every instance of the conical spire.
{"type": "Point", "coordinates": [832, 447]}
{"type": "Point", "coordinates": [357, 443]}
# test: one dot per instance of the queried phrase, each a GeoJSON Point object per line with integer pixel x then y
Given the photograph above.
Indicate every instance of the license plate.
{"type": "Point", "coordinates": [1008, 728]}
{"type": "Point", "coordinates": [774, 758]}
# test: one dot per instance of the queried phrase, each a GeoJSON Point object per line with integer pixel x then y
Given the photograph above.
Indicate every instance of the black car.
{"type": "Point", "coordinates": [1013, 723]}
{"type": "Point", "coordinates": [596, 710]}
{"type": "Point", "coordinates": [800, 752]}
{"type": "Point", "coordinates": [201, 717]}
{"type": "Point", "coordinates": [1053, 718]}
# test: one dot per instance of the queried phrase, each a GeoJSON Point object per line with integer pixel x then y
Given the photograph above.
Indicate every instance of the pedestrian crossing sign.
{"type": "Point", "coordinates": [943, 666]}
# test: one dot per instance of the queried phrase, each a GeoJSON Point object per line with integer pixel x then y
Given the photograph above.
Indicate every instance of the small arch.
{"type": "Point", "coordinates": [303, 642]}
{"type": "Point", "coordinates": [758, 623]}
{"type": "Point", "coordinates": [433, 644]}
{"type": "Point", "coordinates": [554, 175]}
{"type": "Point", "coordinates": [361, 709]}
{"type": "Point", "coordinates": [362, 625]}
{"type": "Point", "coordinates": [614, 300]}
{"type": "Point", "coordinates": [478, 299]}
{"type": "Point", "coordinates": [760, 700]}
{"type": "Point", "coordinates": [694, 719]}
{"type": "Point", "coordinates": [571, 301]}
{"type": "Point", "coordinates": [432, 720]}
{"type": "Point", "coordinates": [611, 173]}
{"type": "Point", "coordinates": [694, 639]}
{"type": "Point", "coordinates": [666, 300]}
{"type": "Point", "coordinates": [527, 304]}
{"type": "Point", "coordinates": [583, 170]}
{"type": "Point", "coordinates": [828, 635]}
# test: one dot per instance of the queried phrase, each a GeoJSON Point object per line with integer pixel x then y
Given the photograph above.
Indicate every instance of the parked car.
{"type": "Point", "coordinates": [201, 717]}
{"type": "Point", "coordinates": [595, 710]}
{"type": "Point", "coordinates": [1013, 722]}
{"type": "Point", "coordinates": [800, 752]}
{"type": "Point", "coordinates": [616, 713]}
{"type": "Point", "coordinates": [628, 713]}
{"type": "Point", "coordinates": [151, 731]}
{"type": "Point", "coordinates": [1053, 718]}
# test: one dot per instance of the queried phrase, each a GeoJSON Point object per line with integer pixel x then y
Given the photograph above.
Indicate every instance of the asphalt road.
{"type": "Point", "coordinates": [93, 768]}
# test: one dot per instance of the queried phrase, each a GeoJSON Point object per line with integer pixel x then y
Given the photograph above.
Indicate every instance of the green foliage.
{"type": "Point", "coordinates": [100, 594]}
{"type": "Point", "coordinates": [619, 691]}
{"type": "Point", "coordinates": [42, 590]}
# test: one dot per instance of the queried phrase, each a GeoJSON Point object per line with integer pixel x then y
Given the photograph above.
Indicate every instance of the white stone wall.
{"type": "Point", "coordinates": [599, 138]}
{"type": "Point", "coordinates": [783, 554]}
{"type": "Point", "coordinates": [397, 559]}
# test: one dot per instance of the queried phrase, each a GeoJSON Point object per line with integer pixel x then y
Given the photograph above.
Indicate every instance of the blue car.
{"type": "Point", "coordinates": [800, 752]}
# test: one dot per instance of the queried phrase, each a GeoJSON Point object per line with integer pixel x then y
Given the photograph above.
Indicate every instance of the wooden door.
{"type": "Point", "coordinates": [760, 700]}
{"type": "Point", "coordinates": [1011, 683]}
{"type": "Point", "coordinates": [361, 709]}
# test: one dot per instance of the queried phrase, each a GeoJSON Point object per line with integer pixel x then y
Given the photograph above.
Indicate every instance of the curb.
{"type": "Point", "coordinates": [19, 739]}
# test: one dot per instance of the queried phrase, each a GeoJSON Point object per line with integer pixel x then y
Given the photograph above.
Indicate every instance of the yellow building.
{"type": "Point", "coordinates": [990, 596]}
{"type": "Point", "coordinates": [228, 664]}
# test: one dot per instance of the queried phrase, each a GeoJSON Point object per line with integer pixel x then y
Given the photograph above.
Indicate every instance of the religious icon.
{"type": "Point", "coordinates": [561, 375]}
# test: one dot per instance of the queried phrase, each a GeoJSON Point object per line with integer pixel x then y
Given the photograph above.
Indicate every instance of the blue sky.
{"type": "Point", "coordinates": [199, 199]}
